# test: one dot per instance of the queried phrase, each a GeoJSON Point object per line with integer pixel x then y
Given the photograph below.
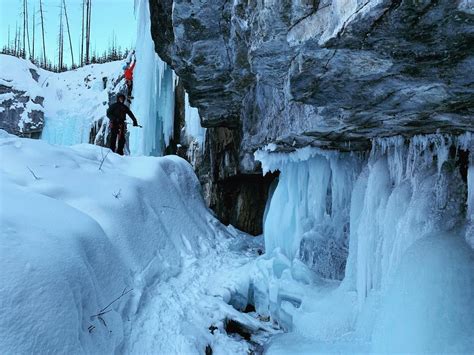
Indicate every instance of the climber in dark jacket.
{"type": "Point", "coordinates": [118, 128]}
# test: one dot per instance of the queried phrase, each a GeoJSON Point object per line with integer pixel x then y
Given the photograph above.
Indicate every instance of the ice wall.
{"type": "Point", "coordinates": [397, 220]}
{"type": "Point", "coordinates": [153, 92]}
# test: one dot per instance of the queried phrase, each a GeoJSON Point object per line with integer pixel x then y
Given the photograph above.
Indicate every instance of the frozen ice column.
{"type": "Point", "coordinates": [153, 92]}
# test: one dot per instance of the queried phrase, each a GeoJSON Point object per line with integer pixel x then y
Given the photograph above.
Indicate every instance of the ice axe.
{"type": "Point", "coordinates": [136, 125]}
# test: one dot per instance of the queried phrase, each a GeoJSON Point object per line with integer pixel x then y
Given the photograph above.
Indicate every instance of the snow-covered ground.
{"type": "Point", "coordinates": [80, 227]}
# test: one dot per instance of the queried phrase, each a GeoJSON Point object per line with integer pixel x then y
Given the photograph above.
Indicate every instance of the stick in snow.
{"type": "Point", "coordinates": [105, 311]}
{"type": "Point", "coordinates": [32, 173]}
{"type": "Point", "coordinates": [117, 194]}
{"type": "Point", "coordinates": [103, 158]}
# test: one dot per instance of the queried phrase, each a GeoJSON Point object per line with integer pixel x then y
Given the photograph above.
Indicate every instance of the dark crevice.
{"type": "Point", "coordinates": [463, 163]}
{"type": "Point", "coordinates": [233, 327]}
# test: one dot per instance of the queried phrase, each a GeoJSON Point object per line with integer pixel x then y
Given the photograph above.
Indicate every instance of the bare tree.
{"type": "Point", "coordinates": [88, 29]}
{"type": "Point", "coordinates": [33, 39]}
{"type": "Point", "coordinates": [27, 28]}
{"type": "Point", "coordinates": [69, 33]}
{"type": "Point", "coordinates": [61, 41]}
{"type": "Point", "coordinates": [82, 32]}
{"type": "Point", "coordinates": [42, 31]}
{"type": "Point", "coordinates": [17, 41]}
{"type": "Point", "coordinates": [24, 28]}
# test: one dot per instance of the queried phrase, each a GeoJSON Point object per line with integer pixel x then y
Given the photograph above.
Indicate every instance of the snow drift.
{"type": "Point", "coordinates": [79, 226]}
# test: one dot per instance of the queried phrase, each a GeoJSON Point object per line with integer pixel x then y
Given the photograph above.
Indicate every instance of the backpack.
{"type": "Point", "coordinates": [110, 114]}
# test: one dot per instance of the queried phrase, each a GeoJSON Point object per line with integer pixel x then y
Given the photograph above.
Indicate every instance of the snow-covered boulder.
{"type": "Point", "coordinates": [21, 99]}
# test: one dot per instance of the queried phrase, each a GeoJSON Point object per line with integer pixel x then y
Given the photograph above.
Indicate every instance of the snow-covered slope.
{"type": "Point", "coordinates": [80, 227]}
{"type": "Point", "coordinates": [72, 100]}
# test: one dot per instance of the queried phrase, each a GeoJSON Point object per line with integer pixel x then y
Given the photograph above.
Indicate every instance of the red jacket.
{"type": "Point", "coordinates": [129, 72]}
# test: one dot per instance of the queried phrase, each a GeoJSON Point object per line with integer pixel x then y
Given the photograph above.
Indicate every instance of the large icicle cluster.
{"type": "Point", "coordinates": [317, 224]}
{"type": "Point", "coordinates": [393, 225]}
{"type": "Point", "coordinates": [154, 84]}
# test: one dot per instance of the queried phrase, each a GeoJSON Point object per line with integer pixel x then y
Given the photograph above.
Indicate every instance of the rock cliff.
{"type": "Point", "coordinates": [326, 73]}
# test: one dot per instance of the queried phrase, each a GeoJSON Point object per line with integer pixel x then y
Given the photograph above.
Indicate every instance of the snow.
{"type": "Point", "coordinates": [81, 225]}
{"type": "Point", "coordinates": [408, 280]}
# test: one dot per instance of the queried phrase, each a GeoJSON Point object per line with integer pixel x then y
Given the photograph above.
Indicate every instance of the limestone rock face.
{"type": "Point", "coordinates": [330, 73]}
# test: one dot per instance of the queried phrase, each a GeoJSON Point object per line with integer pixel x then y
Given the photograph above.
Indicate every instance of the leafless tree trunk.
{"type": "Point", "coordinates": [42, 31]}
{"type": "Point", "coordinates": [69, 33]}
{"type": "Point", "coordinates": [9, 44]}
{"type": "Point", "coordinates": [33, 39]}
{"type": "Point", "coordinates": [88, 29]}
{"type": "Point", "coordinates": [24, 29]}
{"type": "Point", "coordinates": [15, 47]}
{"type": "Point", "coordinates": [27, 29]}
{"type": "Point", "coordinates": [60, 41]}
{"type": "Point", "coordinates": [82, 33]}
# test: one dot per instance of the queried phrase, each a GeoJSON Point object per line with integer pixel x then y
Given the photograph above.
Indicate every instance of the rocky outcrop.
{"type": "Point", "coordinates": [21, 114]}
{"type": "Point", "coordinates": [325, 73]}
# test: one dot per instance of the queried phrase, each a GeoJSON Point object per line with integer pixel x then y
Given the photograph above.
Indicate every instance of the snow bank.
{"type": "Point", "coordinates": [393, 226]}
{"type": "Point", "coordinates": [78, 227]}
{"type": "Point", "coordinates": [16, 73]}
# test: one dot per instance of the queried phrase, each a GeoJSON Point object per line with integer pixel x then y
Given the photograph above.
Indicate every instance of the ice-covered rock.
{"type": "Point", "coordinates": [328, 73]}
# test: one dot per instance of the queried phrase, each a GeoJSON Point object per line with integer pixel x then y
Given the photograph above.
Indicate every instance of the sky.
{"type": "Point", "coordinates": [109, 18]}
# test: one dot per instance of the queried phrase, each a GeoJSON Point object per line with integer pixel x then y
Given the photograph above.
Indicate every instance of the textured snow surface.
{"type": "Point", "coordinates": [73, 237]}
{"type": "Point", "coordinates": [396, 222]}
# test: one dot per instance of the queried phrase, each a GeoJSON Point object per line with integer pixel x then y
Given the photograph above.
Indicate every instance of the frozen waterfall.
{"type": "Point", "coordinates": [153, 92]}
{"type": "Point", "coordinates": [392, 225]}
